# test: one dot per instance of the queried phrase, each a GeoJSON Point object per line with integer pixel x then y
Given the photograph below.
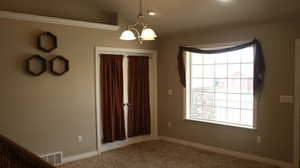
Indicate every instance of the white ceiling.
{"type": "Point", "coordinates": [178, 15]}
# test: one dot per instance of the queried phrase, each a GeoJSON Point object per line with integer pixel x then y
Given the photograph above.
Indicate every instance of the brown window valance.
{"type": "Point", "coordinates": [259, 62]}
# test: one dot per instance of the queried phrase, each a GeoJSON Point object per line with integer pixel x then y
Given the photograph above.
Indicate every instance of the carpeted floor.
{"type": "Point", "coordinates": [161, 154]}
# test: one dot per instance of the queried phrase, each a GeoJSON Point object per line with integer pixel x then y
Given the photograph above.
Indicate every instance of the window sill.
{"type": "Point", "coordinates": [222, 124]}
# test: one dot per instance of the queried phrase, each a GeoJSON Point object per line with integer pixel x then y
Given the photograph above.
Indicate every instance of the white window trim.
{"type": "Point", "coordinates": [186, 99]}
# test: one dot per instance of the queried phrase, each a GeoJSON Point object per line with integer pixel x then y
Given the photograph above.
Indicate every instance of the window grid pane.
{"type": "Point", "coordinates": [222, 87]}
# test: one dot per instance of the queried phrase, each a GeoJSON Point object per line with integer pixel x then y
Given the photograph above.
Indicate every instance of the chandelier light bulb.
{"type": "Point", "coordinates": [127, 35]}
{"type": "Point", "coordinates": [148, 34]}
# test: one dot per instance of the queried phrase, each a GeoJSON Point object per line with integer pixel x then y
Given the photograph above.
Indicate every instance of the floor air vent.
{"type": "Point", "coordinates": [54, 159]}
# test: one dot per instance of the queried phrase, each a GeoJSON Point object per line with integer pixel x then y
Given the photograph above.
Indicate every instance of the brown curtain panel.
{"type": "Point", "coordinates": [138, 96]}
{"type": "Point", "coordinates": [111, 75]}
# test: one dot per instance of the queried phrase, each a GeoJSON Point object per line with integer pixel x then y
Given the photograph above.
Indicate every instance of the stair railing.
{"type": "Point", "coordinates": [13, 155]}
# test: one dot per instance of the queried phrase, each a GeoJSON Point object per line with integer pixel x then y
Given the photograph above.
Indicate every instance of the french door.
{"type": "Point", "coordinates": [152, 90]}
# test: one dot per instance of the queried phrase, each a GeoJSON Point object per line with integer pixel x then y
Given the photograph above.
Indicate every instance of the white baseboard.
{"type": "Point", "coordinates": [230, 152]}
{"type": "Point", "coordinates": [79, 157]}
{"type": "Point", "coordinates": [108, 147]}
{"type": "Point", "coordinates": [129, 141]}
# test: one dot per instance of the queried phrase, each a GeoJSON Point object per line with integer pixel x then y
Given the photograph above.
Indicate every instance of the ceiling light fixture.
{"type": "Point", "coordinates": [139, 29]}
{"type": "Point", "coordinates": [225, 1]}
{"type": "Point", "coordinates": [151, 13]}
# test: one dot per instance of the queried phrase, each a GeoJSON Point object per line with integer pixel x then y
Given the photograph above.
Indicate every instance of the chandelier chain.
{"type": "Point", "coordinates": [140, 12]}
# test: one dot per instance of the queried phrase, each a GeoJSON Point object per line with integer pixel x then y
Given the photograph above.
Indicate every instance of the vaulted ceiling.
{"type": "Point", "coordinates": [172, 15]}
{"type": "Point", "coordinates": [178, 15]}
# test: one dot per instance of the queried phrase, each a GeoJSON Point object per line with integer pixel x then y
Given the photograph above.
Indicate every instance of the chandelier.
{"type": "Point", "coordinates": [139, 30]}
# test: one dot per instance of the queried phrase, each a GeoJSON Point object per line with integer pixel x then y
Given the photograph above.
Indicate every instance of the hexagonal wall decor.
{"type": "Point", "coordinates": [47, 42]}
{"type": "Point", "coordinates": [59, 65]}
{"type": "Point", "coordinates": [36, 65]}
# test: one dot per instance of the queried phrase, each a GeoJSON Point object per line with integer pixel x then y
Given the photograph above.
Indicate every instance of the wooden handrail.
{"type": "Point", "coordinates": [13, 155]}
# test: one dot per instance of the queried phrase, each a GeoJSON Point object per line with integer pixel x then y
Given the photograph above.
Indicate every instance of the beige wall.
{"type": "Point", "coordinates": [47, 113]}
{"type": "Point", "coordinates": [275, 119]}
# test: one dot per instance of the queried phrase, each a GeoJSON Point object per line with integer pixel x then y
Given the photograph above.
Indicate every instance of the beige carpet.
{"type": "Point", "coordinates": [160, 154]}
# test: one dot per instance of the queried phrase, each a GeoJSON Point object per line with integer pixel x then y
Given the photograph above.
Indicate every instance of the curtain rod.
{"type": "Point", "coordinates": [139, 56]}
{"type": "Point", "coordinates": [150, 57]}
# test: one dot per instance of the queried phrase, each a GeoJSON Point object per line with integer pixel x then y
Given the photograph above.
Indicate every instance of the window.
{"type": "Point", "coordinates": [220, 88]}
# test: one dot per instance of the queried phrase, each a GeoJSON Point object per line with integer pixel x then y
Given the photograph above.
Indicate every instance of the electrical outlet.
{"type": "Point", "coordinates": [79, 139]}
{"type": "Point", "coordinates": [170, 124]}
{"type": "Point", "coordinates": [258, 139]}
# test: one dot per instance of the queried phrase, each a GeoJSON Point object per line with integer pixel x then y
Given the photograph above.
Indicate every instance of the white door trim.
{"type": "Point", "coordinates": [153, 93]}
{"type": "Point", "coordinates": [297, 104]}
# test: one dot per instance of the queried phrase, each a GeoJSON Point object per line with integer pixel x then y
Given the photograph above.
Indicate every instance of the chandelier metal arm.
{"type": "Point", "coordinates": [136, 31]}
{"type": "Point", "coordinates": [140, 39]}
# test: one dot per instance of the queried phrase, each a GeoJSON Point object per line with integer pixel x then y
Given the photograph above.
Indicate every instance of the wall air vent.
{"type": "Point", "coordinates": [54, 159]}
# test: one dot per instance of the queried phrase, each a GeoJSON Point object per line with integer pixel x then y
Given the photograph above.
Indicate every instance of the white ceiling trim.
{"type": "Point", "coordinates": [53, 20]}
